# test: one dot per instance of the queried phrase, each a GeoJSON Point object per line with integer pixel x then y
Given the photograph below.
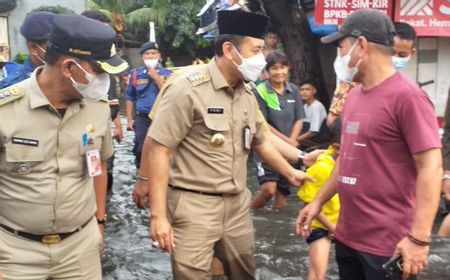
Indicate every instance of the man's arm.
{"type": "Point", "coordinates": [158, 179]}
{"type": "Point", "coordinates": [267, 152]}
{"type": "Point", "coordinates": [141, 192]}
{"type": "Point", "coordinates": [118, 133]}
{"type": "Point", "coordinates": [100, 186]}
{"type": "Point", "coordinates": [298, 125]}
{"type": "Point", "coordinates": [130, 114]}
{"type": "Point", "coordinates": [159, 80]}
{"type": "Point", "coordinates": [446, 151]}
{"type": "Point", "coordinates": [306, 136]}
{"type": "Point", "coordinates": [429, 174]}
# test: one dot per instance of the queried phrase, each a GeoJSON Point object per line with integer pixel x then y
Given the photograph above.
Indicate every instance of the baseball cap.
{"type": "Point", "coordinates": [372, 24]}
{"type": "Point", "coordinates": [148, 46]}
{"type": "Point", "coordinates": [237, 22]}
{"type": "Point", "coordinates": [86, 39]}
{"type": "Point", "coordinates": [37, 26]}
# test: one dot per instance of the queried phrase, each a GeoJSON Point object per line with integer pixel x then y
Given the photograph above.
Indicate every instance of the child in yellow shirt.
{"type": "Point", "coordinates": [323, 227]}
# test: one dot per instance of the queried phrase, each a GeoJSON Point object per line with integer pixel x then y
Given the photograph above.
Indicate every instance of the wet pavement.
{"type": "Point", "coordinates": [279, 253]}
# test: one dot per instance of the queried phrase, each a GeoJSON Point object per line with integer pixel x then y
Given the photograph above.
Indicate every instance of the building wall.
{"type": "Point", "coordinates": [15, 18]}
{"type": "Point", "coordinates": [432, 63]}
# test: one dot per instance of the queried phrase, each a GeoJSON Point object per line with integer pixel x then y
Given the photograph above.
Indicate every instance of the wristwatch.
{"type": "Point", "coordinates": [101, 221]}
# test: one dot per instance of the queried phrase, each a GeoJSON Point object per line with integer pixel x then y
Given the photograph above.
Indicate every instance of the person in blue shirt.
{"type": "Point", "coordinates": [36, 30]}
{"type": "Point", "coordinates": [143, 88]}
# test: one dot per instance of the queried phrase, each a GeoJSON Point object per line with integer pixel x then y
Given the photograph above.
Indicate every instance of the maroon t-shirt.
{"type": "Point", "coordinates": [382, 128]}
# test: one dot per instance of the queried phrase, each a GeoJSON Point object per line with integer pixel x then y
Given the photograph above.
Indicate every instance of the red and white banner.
{"type": "Point", "coordinates": [428, 17]}
{"type": "Point", "coordinates": [336, 11]}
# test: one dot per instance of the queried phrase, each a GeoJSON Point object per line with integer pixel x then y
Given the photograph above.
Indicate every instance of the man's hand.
{"type": "Point", "coordinates": [311, 157]}
{"type": "Point", "coordinates": [153, 74]}
{"type": "Point", "coordinates": [296, 177]}
{"type": "Point", "coordinates": [118, 133]}
{"type": "Point", "coordinates": [415, 257]}
{"type": "Point", "coordinates": [161, 232]}
{"type": "Point", "coordinates": [446, 189]}
{"type": "Point", "coordinates": [305, 216]}
{"type": "Point", "coordinates": [130, 125]}
{"type": "Point", "coordinates": [102, 232]}
{"type": "Point", "coordinates": [140, 194]}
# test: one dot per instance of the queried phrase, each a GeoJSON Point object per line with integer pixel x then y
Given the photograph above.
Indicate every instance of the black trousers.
{"type": "Point", "coordinates": [356, 265]}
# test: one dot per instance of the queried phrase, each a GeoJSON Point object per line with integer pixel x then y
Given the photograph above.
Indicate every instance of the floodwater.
{"type": "Point", "coordinates": [280, 254]}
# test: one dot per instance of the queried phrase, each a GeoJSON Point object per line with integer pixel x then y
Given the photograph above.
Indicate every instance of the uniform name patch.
{"type": "Point", "coordinates": [215, 110]}
{"type": "Point", "coordinates": [24, 141]}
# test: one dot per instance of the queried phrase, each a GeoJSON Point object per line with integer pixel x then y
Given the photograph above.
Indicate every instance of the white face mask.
{"type": "Point", "coordinates": [400, 62]}
{"type": "Point", "coordinates": [96, 88]}
{"type": "Point", "coordinates": [343, 71]}
{"type": "Point", "coordinates": [251, 67]}
{"type": "Point", "coordinates": [151, 63]}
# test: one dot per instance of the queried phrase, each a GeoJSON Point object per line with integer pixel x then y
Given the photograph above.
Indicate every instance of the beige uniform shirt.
{"type": "Point", "coordinates": [44, 185]}
{"type": "Point", "coordinates": [197, 105]}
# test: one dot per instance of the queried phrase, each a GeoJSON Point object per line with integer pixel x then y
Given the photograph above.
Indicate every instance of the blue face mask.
{"type": "Point", "coordinates": [400, 62]}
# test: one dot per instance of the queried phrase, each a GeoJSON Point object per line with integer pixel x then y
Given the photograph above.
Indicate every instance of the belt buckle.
{"type": "Point", "coordinates": [51, 239]}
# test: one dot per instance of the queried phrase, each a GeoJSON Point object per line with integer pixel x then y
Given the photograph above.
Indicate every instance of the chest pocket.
{"type": "Point", "coordinates": [22, 153]}
{"type": "Point", "coordinates": [217, 133]}
{"type": "Point", "coordinates": [97, 145]}
{"type": "Point", "coordinates": [21, 159]}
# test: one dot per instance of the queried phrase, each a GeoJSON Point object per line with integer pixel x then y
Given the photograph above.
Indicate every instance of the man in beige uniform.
{"type": "Point", "coordinates": [52, 129]}
{"type": "Point", "coordinates": [207, 123]}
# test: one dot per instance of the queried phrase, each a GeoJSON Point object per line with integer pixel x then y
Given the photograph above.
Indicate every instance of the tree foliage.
{"type": "Point", "coordinates": [55, 9]}
{"type": "Point", "coordinates": [7, 5]}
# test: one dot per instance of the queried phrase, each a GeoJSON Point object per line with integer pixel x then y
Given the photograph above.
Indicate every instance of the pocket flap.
{"type": "Point", "coordinates": [22, 153]}
{"type": "Point", "coordinates": [217, 124]}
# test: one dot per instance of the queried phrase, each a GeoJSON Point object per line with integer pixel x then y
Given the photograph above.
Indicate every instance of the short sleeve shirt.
{"type": "Point", "coordinates": [321, 171]}
{"type": "Point", "coordinates": [44, 182]}
{"type": "Point", "coordinates": [142, 89]}
{"type": "Point", "coordinates": [196, 106]}
{"type": "Point", "coordinates": [315, 115]}
{"type": "Point", "coordinates": [382, 128]}
{"type": "Point", "coordinates": [280, 110]}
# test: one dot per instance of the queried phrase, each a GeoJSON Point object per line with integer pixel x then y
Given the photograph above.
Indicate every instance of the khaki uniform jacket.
{"type": "Point", "coordinates": [44, 184]}
{"type": "Point", "coordinates": [196, 106]}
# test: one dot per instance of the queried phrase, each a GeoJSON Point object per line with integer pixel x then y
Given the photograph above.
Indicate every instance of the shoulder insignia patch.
{"type": "Point", "coordinates": [198, 79]}
{"type": "Point", "coordinates": [11, 94]}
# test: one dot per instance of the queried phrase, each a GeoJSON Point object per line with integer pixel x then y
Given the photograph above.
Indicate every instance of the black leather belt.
{"type": "Point", "coordinates": [45, 238]}
{"type": "Point", "coordinates": [204, 193]}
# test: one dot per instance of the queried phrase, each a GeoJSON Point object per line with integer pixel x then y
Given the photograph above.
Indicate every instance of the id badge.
{"type": "Point", "coordinates": [247, 138]}
{"type": "Point", "coordinates": [94, 163]}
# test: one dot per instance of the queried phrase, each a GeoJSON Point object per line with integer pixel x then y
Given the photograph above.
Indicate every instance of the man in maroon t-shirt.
{"type": "Point", "coordinates": [388, 175]}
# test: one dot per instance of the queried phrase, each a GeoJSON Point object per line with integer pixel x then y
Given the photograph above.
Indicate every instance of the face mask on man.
{"type": "Point", "coordinates": [151, 63]}
{"type": "Point", "coordinates": [251, 67]}
{"type": "Point", "coordinates": [400, 62]}
{"type": "Point", "coordinates": [96, 88]}
{"type": "Point", "coordinates": [343, 71]}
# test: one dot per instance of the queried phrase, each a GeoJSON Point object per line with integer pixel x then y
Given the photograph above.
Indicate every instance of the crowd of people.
{"type": "Point", "coordinates": [375, 156]}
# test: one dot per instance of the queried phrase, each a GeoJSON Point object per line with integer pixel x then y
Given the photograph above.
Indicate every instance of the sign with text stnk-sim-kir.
{"type": "Point", "coordinates": [428, 17]}
{"type": "Point", "coordinates": [336, 11]}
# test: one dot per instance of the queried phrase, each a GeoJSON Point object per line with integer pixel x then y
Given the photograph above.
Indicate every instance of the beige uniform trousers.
{"type": "Point", "coordinates": [206, 224]}
{"type": "Point", "coordinates": [76, 258]}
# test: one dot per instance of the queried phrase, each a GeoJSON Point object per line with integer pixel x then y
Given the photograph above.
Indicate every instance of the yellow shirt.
{"type": "Point", "coordinates": [321, 171]}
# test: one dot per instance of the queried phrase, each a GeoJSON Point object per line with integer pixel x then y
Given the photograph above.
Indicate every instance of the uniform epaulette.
{"type": "Point", "coordinates": [11, 94]}
{"type": "Point", "coordinates": [198, 78]}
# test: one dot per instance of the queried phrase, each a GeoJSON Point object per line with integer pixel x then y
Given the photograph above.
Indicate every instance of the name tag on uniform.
{"type": "Point", "coordinates": [94, 163]}
{"type": "Point", "coordinates": [24, 141]}
{"type": "Point", "coordinates": [290, 100]}
{"type": "Point", "coordinates": [215, 110]}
